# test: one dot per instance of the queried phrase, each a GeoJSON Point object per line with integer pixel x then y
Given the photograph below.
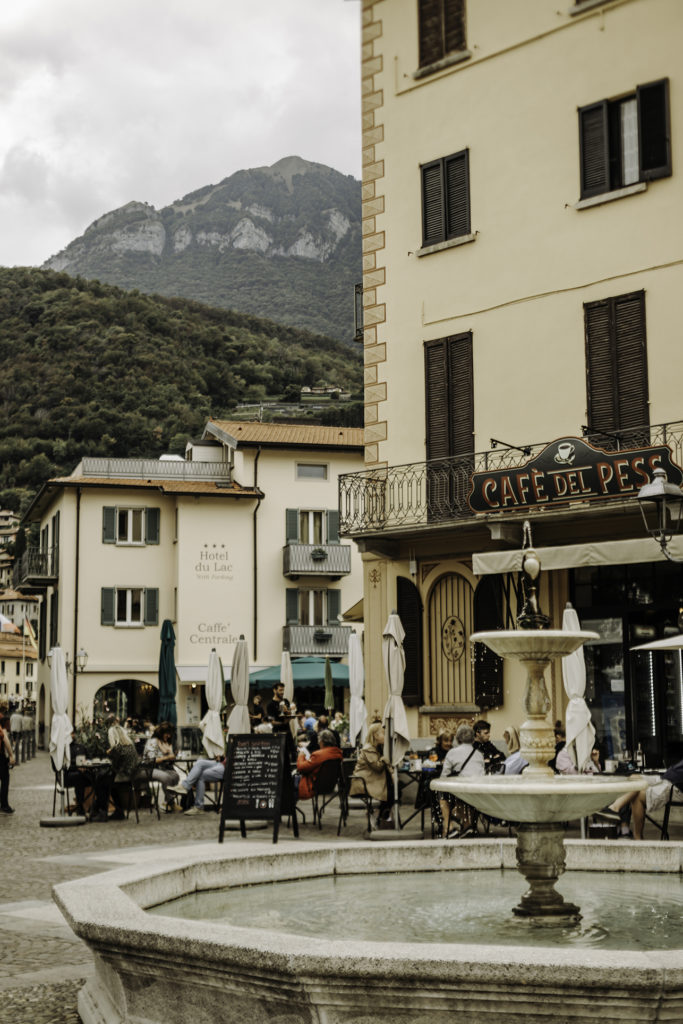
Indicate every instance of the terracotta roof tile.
{"type": "Point", "coordinates": [251, 432]}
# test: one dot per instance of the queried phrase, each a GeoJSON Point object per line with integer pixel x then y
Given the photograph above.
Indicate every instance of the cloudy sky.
{"type": "Point", "coordinates": [106, 101]}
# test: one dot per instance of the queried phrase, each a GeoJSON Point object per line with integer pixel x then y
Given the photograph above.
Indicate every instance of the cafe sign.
{"type": "Point", "coordinates": [570, 470]}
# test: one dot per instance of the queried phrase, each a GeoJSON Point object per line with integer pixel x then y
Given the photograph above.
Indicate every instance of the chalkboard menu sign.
{"type": "Point", "coordinates": [258, 781]}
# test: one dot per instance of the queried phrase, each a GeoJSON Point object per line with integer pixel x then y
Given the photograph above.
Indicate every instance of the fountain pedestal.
{"type": "Point", "coordinates": [541, 859]}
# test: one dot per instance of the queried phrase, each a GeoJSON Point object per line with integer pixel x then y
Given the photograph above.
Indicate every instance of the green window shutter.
{"type": "Point", "coordinates": [152, 520]}
{"type": "Point", "coordinates": [631, 356]}
{"type": "Point", "coordinates": [333, 607]}
{"type": "Point", "coordinates": [108, 525]}
{"type": "Point", "coordinates": [594, 149]}
{"type": "Point", "coordinates": [616, 364]}
{"type": "Point", "coordinates": [107, 611]}
{"type": "Point", "coordinates": [333, 526]}
{"type": "Point", "coordinates": [292, 525]}
{"type": "Point", "coordinates": [151, 606]}
{"type": "Point", "coordinates": [654, 132]}
{"type": "Point", "coordinates": [292, 605]}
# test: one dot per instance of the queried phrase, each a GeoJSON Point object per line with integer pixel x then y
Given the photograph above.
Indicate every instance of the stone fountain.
{"type": "Point", "coordinates": [539, 801]}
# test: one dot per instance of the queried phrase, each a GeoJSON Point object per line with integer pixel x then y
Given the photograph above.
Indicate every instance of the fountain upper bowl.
{"type": "Point", "coordinates": [534, 644]}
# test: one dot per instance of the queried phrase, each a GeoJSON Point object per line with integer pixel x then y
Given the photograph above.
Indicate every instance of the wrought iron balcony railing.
{"type": "Point", "coordinates": [316, 560]}
{"type": "Point", "coordinates": [437, 491]}
{"type": "Point", "coordinates": [303, 640]}
{"type": "Point", "coordinates": [37, 567]}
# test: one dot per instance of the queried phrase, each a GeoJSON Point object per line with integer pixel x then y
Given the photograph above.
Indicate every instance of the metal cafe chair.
{"type": "Point", "coordinates": [675, 800]}
{"type": "Point", "coordinates": [328, 782]}
{"type": "Point", "coordinates": [140, 784]}
{"type": "Point", "coordinates": [61, 789]}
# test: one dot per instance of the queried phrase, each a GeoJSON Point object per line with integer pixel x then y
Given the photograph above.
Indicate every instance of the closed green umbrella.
{"type": "Point", "coordinates": [329, 692]}
{"type": "Point", "coordinates": [167, 682]}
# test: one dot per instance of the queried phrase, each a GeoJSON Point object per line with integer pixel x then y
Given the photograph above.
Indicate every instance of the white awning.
{"type": "Point", "coordinates": [571, 556]}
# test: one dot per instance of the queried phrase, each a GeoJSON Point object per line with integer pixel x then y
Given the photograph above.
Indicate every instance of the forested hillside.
{"type": "Point", "coordinates": [86, 368]}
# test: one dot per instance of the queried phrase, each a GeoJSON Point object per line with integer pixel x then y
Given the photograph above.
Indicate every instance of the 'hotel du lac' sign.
{"type": "Point", "coordinates": [570, 470]}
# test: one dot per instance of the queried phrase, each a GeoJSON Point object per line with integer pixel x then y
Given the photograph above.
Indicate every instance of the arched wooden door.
{"type": "Point", "coordinates": [450, 618]}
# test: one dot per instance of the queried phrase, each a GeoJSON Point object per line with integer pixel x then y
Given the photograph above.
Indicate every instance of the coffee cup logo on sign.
{"type": "Point", "coordinates": [565, 454]}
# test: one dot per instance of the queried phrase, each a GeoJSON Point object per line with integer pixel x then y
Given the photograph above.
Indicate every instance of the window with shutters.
{"type": "Point", "coordinates": [625, 141]}
{"type": "Point", "coordinates": [311, 606]}
{"type": "Point", "coordinates": [129, 606]}
{"type": "Point", "coordinates": [449, 407]}
{"type": "Point", "coordinates": [128, 526]}
{"type": "Point", "coordinates": [445, 198]}
{"type": "Point", "coordinates": [312, 526]}
{"type": "Point", "coordinates": [616, 364]}
{"type": "Point", "coordinates": [441, 30]}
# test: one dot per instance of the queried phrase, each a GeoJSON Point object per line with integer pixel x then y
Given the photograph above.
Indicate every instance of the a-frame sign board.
{"type": "Point", "coordinates": [258, 782]}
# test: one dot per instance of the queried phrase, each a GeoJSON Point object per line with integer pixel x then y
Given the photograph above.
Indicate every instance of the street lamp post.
{"type": "Point", "coordinates": [661, 505]}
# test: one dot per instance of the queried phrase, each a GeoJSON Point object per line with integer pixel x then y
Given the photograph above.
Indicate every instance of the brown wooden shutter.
{"type": "Point", "coordinates": [631, 361]}
{"type": "Point", "coordinates": [460, 392]}
{"type": "Point", "coordinates": [594, 149]}
{"type": "Point", "coordinates": [488, 667]}
{"type": "Point", "coordinates": [654, 134]}
{"type": "Point", "coordinates": [430, 31]}
{"type": "Point", "coordinates": [616, 363]}
{"type": "Point", "coordinates": [436, 399]}
{"type": "Point", "coordinates": [454, 25]}
{"type": "Point", "coordinates": [457, 188]}
{"type": "Point", "coordinates": [432, 203]}
{"type": "Point", "coordinates": [409, 607]}
{"type": "Point", "coordinates": [599, 367]}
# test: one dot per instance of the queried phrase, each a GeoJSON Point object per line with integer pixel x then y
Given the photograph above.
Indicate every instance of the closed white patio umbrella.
{"type": "Point", "coordinates": [395, 720]}
{"type": "Point", "coordinates": [239, 721]}
{"type": "Point", "coordinates": [578, 725]}
{"type": "Point", "coordinates": [61, 728]}
{"type": "Point", "coordinates": [287, 676]}
{"type": "Point", "coordinates": [357, 711]}
{"type": "Point", "coordinates": [212, 740]}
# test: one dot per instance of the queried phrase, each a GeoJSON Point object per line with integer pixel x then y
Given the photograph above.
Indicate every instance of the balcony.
{"type": "Point", "coordinates": [424, 493]}
{"type": "Point", "coordinates": [37, 569]}
{"type": "Point", "coordinates": [332, 560]}
{"type": "Point", "coordinates": [304, 640]}
{"type": "Point", "coordinates": [155, 469]}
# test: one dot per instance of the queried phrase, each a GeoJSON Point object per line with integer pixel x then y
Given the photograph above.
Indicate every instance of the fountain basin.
{"type": "Point", "coordinates": [154, 969]}
{"type": "Point", "coordinates": [534, 798]}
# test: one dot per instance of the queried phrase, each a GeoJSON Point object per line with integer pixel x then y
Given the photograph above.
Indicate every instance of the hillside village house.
{"type": "Point", "coordinates": [239, 537]}
{"type": "Point", "coordinates": [17, 668]}
{"type": "Point", "coordinates": [523, 292]}
{"type": "Point", "coordinates": [20, 608]}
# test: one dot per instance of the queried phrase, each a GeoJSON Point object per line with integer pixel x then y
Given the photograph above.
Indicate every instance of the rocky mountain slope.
{"type": "Point", "coordinates": [282, 242]}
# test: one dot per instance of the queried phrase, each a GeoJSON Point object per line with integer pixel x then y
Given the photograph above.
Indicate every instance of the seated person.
{"type": "Point", "coordinates": [203, 770]}
{"type": "Point", "coordinates": [308, 764]}
{"type": "Point", "coordinates": [372, 767]}
{"type": "Point", "coordinates": [646, 801]}
{"type": "Point", "coordinates": [444, 742]}
{"type": "Point", "coordinates": [514, 762]}
{"type": "Point", "coordinates": [324, 723]}
{"type": "Point", "coordinates": [124, 764]}
{"type": "Point", "coordinates": [462, 759]}
{"type": "Point", "coordinates": [159, 750]}
{"type": "Point", "coordinates": [565, 761]}
{"type": "Point", "coordinates": [559, 743]}
{"type": "Point", "coordinates": [482, 742]}
{"type": "Point", "coordinates": [77, 778]}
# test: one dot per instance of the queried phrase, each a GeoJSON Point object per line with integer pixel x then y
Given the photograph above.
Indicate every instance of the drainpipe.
{"type": "Point", "coordinates": [255, 566]}
{"type": "Point", "coordinates": [78, 559]}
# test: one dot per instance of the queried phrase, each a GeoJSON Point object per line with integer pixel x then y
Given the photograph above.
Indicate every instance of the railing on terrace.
{"type": "Point", "coordinates": [316, 559]}
{"type": "Point", "coordinates": [36, 566]}
{"type": "Point", "coordinates": [437, 491]}
{"type": "Point", "coordinates": [304, 640]}
{"type": "Point", "coordinates": [156, 469]}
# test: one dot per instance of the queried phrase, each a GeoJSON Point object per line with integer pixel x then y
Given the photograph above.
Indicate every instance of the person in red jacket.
{"type": "Point", "coordinates": [308, 765]}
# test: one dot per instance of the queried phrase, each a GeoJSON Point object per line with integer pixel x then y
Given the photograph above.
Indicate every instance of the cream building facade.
{"type": "Point", "coordinates": [239, 538]}
{"type": "Point", "coordinates": [523, 282]}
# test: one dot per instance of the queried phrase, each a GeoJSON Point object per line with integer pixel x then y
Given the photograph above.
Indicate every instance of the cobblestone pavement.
{"type": "Point", "coordinates": [43, 963]}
